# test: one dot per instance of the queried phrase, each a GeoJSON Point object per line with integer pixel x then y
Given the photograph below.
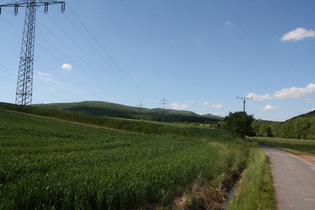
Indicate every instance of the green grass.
{"type": "Point", "coordinates": [255, 190]}
{"type": "Point", "coordinates": [307, 146]}
{"type": "Point", "coordinates": [49, 164]}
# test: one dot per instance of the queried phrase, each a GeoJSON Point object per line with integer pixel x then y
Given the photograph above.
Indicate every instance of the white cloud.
{"type": "Point", "coordinates": [268, 107]}
{"type": "Point", "coordinates": [213, 105]}
{"type": "Point", "coordinates": [45, 76]}
{"type": "Point", "coordinates": [179, 106]}
{"type": "Point", "coordinates": [227, 23]}
{"type": "Point", "coordinates": [298, 34]}
{"type": "Point", "coordinates": [217, 105]}
{"type": "Point", "coordinates": [218, 114]}
{"type": "Point", "coordinates": [293, 92]}
{"type": "Point", "coordinates": [309, 101]}
{"type": "Point", "coordinates": [191, 102]}
{"type": "Point", "coordinates": [259, 97]}
{"type": "Point", "coordinates": [67, 66]}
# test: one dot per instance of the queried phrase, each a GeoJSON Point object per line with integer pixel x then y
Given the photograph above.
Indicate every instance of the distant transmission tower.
{"type": "Point", "coordinates": [141, 105]}
{"type": "Point", "coordinates": [244, 101]}
{"type": "Point", "coordinates": [24, 87]}
{"type": "Point", "coordinates": [164, 103]}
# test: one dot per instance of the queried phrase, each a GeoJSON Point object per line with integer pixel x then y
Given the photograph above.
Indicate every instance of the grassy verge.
{"type": "Point", "coordinates": [307, 146]}
{"type": "Point", "coordinates": [255, 191]}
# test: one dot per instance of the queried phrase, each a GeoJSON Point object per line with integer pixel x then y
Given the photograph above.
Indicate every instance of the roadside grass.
{"type": "Point", "coordinates": [255, 189]}
{"type": "Point", "coordinates": [52, 164]}
{"type": "Point", "coordinates": [305, 146]}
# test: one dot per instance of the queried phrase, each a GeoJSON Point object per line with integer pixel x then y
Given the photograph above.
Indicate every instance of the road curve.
{"type": "Point", "coordinates": [293, 180]}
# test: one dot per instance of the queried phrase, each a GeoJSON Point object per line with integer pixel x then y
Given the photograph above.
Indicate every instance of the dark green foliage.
{"type": "Point", "coordinates": [268, 131]}
{"type": "Point", "coordinates": [239, 124]}
{"type": "Point", "coordinates": [300, 127]}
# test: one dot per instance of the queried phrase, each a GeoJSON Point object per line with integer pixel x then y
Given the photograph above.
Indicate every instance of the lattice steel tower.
{"type": "Point", "coordinates": [24, 89]}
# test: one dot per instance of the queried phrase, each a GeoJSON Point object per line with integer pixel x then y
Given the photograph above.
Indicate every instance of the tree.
{"type": "Point", "coordinates": [302, 128]}
{"type": "Point", "coordinates": [263, 129]}
{"type": "Point", "coordinates": [256, 124]}
{"type": "Point", "coordinates": [269, 131]}
{"type": "Point", "coordinates": [239, 124]}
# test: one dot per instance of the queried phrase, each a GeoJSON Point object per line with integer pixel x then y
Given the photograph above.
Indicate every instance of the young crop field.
{"type": "Point", "coordinates": [51, 164]}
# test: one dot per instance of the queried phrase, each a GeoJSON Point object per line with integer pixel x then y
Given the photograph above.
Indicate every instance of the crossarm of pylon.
{"type": "Point", "coordinates": [27, 3]}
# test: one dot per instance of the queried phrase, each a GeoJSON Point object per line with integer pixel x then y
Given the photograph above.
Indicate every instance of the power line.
{"type": "Point", "coordinates": [105, 55]}
{"type": "Point", "coordinates": [57, 91]}
{"type": "Point", "coordinates": [98, 66]}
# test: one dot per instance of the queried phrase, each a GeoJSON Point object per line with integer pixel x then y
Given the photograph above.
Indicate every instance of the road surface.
{"type": "Point", "coordinates": [293, 180]}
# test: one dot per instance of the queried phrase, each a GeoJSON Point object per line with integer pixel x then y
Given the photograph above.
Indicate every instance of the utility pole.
{"type": "Point", "coordinates": [24, 89]}
{"type": "Point", "coordinates": [244, 101]}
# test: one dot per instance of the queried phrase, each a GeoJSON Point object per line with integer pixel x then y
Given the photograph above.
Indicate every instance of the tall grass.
{"type": "Point", "coordinates": [255, 190]}
{"type": "Point", "coordinates": [50, 164]}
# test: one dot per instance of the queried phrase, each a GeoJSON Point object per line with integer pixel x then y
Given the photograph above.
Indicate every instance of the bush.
{"type": "Point", "coordinates": [239, 124]}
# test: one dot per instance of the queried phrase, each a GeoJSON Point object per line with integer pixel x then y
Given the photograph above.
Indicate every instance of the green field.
{"type": "Point", "coordinates": [307, 146]}
{"type": "Point", "coordinates": [139, 126]}
{"type": "Point", "coordinates": [52, 164]}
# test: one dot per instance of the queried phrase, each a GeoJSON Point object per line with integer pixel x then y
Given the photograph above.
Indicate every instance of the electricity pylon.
{"type": "Point", "coordinates": [141, 105]}
{"type": "Point", "coordinates": [164, 103]}
{"type": "Point", "coordinates": [244, 101]}
{"type": "Point", "coordinates": [24, 89]}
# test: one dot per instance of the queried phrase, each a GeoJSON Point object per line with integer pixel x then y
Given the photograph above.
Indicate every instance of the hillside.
{"type": "Point", "coordinates": [299, 127]}
{"type": "Point", "coordinates": [107, 109]}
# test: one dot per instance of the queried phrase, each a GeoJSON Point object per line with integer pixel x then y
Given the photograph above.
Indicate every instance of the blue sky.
{"type": "Point", "coordinates": [198, 54]}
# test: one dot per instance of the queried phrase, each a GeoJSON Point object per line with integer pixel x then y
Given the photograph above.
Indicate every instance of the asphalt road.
{"type": "Point", "coordinates": [293, 180]}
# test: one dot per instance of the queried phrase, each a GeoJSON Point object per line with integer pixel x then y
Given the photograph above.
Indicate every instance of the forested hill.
{"type": "Point", "coordinates": [300, 127]}
{"type": "Point", "coordinates": [107, 109]}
